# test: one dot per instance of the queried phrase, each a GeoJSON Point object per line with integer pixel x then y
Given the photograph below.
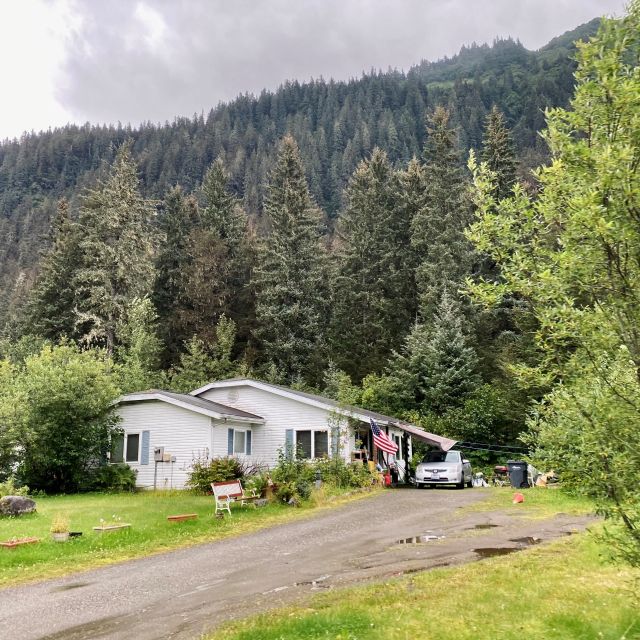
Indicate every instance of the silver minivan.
{"type": "Point", "coordinates": [444, 467]}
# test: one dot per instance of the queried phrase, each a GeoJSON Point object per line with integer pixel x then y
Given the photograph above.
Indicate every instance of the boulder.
{"type": "Point", "coordinates": [261, 502]}
{"type": "Point", "coordinates": [16, 505]}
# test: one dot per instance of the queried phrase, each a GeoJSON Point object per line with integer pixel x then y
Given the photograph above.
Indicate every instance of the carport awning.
{"type": "Point", "coordinates": [430, 438]}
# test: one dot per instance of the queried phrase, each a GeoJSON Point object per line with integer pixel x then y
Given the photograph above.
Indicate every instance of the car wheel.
{"type": "Point", "coordinates": [460, 484]}
{"type": "Point", "coordinates": [470, 483]}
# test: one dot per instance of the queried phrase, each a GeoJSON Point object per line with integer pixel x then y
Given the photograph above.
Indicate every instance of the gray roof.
{"type": "Point", "coordinates": [193, 401]}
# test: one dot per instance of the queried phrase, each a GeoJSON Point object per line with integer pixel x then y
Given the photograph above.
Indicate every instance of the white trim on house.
{"type": "Point", "coordinates": [158, 395]}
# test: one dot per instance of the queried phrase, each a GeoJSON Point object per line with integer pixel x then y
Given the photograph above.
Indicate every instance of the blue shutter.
{"type": "Point", "coordinates": [288, 443]}
{"type": "Point", "coordinates": [248, 432]}
{"type": "Point", "coordinates": [230, 442]}
{"type": "Point", "coordinates": [144, 453]}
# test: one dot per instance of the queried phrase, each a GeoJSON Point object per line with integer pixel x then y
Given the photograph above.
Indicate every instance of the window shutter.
{"type": "Point", "coordinates": [144, 450]}
{"type": "Point", "coordinates": [248, 442]}
{"type": "Point", "coordinates": [230, 442]}
{"type": "Point", "coordinates": [288, 443]}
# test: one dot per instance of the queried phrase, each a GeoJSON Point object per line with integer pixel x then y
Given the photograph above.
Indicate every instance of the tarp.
{"type": "Point", "coordinates": [430, 438]}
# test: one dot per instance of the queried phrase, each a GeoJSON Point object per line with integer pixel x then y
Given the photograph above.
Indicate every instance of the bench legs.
{"type": "Point", "coordinates": [223, 505]}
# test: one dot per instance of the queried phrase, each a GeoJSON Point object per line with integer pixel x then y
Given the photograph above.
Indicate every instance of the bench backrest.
{"type": "Point", "coordinates": [229, 488]}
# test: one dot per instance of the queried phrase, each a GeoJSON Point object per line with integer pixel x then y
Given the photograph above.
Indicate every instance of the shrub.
{"type": "Point", "coordinates": [204, 472]}
{"type": "Point", "coordinates": [114, 478]}
{"type": "Point", "coordinates": [285, 491]}
{"type": "Point", "coordinates": [10, 488]}
{"type": "Point", "coordinates": [295, 477]}
{"type": "Point", "coordinates": [259, 482]}
{"type": "Point", "coordinates": [343, 474]}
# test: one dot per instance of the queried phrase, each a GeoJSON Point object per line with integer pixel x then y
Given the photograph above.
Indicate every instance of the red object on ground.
{"type": "Point", "coordinates": [518, 497]}
{"type": "Point", "coordinates": [387, 479]}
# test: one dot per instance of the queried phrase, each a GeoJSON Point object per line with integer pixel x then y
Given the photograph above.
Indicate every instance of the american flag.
{"type": "Point", "coordinates": [381, 439]}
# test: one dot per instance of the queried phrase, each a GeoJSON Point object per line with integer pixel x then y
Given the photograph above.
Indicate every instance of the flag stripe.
{"type": "Point", "coordinates": [381, 439]}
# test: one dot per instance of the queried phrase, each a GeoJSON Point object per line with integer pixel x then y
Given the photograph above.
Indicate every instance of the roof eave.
{"type": "Point", "coordinates": [216, 415]}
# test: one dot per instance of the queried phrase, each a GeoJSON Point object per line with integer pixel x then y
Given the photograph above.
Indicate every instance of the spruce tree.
{"type": "Point", "coordinates": [498, 153]}
{"type": "Point", "coordinates": [117, 251]}
{"type": "Point", "coordinates": [52, 300]}
{"type": "Point", "coordinates": [436, 370]}
{"type": "Point", "coordinates": [444, 255]}
{"type": "Point", "coordinates": [203, 362]}
{"type": "Point", "coordinates": [372, 286]}
{"type": "Point", "coordinates": [178, 220]}
{"type": "Point", "coordinates": [290, 276]}
{"type": "Point", "coordinates": [217, 280]}
{"type": "Point", "coordinates": [139, 353]}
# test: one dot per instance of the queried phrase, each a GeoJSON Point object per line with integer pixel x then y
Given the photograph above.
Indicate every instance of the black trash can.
{"type": "Point", "coordinates": [518, 473]}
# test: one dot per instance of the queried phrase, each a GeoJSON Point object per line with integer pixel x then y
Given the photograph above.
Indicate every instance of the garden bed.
{"type": "Point", "coordinates": [18, 542]}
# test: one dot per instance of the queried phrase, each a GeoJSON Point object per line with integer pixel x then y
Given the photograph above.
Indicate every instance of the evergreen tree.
{"type": "Point", "coordinates": [139, 353]}
{"type": "Point", "coordinates": [117, 251]}
{"type": "Point", "coordinates": [498, 152]}
{"type": "Point", "coordinates": [444, 255]}
{"type": "Point", "coordinates": [373, 298]}
{"type": "Point", "coordinates": [437, 369]}
{"type": "Point", "coordinates": [203, 362]}
{"type": "Point", "coordinates": [53, 298]}
{"type": "Point", "coordinates": [179, 218]}
{"type": "Point", "coordinates": [217, 282]}
{"type": "Point", "coordinates": [289, 278]}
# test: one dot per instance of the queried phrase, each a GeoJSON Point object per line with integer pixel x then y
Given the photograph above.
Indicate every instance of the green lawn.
{"type": "Point", "coordinates": [150, 531]}
{"type": "Point", "coordinates": [538, 502]}
{"type": "Point", "coordinates": [560, 591]}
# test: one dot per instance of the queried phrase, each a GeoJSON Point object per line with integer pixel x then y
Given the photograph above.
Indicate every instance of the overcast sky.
{"type": "Point", "coordinates": [130, 61]}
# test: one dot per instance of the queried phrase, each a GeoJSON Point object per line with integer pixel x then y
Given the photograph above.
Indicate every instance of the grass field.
{"type": "Point", "coordinates": [150, 531]}
{"type": "Point", "coordinates": [560, 591]}
{"type": "Point", "coordinates": [538, 502]}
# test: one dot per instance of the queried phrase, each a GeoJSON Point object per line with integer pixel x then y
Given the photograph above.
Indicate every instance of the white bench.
{"type": "Point", "coordinates": [230, 491]}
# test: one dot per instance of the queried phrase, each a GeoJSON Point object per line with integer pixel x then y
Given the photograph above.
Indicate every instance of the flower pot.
{"type": "Point", "coordinates": [61, 536]}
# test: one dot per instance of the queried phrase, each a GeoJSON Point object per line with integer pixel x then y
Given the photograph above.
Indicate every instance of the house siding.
{"type": "Point", "coordinates": [279, 413]}
{"type": "Point", "coordinates": [184, 434]}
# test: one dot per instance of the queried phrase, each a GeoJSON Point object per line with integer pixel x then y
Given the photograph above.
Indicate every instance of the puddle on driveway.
{"type": "Point", "coordinates": [486, 526]}
{"type": "Point", "coordinates": [491, 552]}
{"type": "Point", "coordinates": [73, 585]}
{"type": "Point", "coordinates": [419, 539]}
{"type": "Point", "coordinates": [527, 540]}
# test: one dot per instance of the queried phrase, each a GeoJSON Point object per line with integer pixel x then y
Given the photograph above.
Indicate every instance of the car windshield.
{"type": "Point", "coordinates": [442, 456]}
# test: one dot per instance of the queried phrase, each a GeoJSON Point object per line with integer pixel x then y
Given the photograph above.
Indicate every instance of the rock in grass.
{"type": "Point", "coordinates": [261, 502]}
{"type": "Point", "coordinates": [16, 505]}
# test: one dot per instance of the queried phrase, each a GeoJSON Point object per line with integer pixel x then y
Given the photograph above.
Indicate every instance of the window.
{"type": "Point", "coordinates": [117, 448]}
{"type": "Point", "coordinates": [312, 444]}
{"type": "Point", "coordinates": [320, 444]}
{"type": "Point", "coordinates": [239, 441]}
{"type": "Point", "coordinates": [442, 456]}
{"type": "Point", "coordinates": [125, 448]}
{"type": "Point", "coordinates": [132, 450]}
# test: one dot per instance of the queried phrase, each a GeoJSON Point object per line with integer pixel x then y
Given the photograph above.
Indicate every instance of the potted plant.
{"type": "Point", "coordinates": [60, 528]}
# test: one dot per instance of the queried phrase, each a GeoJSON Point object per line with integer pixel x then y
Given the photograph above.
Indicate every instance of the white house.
{"type": "Point", "coordinates": [164, 432]}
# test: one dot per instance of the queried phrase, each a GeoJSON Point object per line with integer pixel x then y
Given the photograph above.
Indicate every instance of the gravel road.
{"type": "Point", "coordinates": [182, 594]}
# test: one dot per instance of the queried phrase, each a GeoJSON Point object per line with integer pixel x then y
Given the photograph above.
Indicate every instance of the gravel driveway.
{"type": "Point", "coordinates": [185, 593]}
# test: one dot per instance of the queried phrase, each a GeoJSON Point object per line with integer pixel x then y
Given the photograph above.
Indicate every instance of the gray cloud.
{"type": "Point", "coordinates": [135, 61]}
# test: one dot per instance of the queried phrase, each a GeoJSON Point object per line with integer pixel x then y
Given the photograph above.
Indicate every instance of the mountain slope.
{"type": "Point", "coordinates": [335, 124]}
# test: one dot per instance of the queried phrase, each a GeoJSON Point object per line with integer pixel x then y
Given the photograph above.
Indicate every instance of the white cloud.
{"type": "Point", "coordinates": [32, 48]}
{"type": "Point", "coordinates": [131, 61]}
